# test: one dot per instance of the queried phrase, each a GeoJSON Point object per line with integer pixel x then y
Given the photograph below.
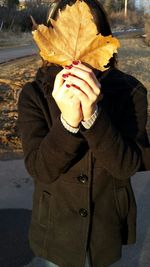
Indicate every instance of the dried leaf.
{"type": "Point", "coordinates": [74, 36]}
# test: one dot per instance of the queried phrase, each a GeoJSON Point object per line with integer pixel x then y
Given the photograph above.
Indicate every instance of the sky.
{"type": "Point", "coordinates": [139, 3]}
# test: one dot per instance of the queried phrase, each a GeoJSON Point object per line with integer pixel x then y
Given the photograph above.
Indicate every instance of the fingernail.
{"type": "Point", "coordinates": [68, 67]}
{"type": "Point", "coordinates": [75, 62]}
{"type": "Point", "coordinates": [65, 76]}
{"type": "Point", "coordinates": [68, 85]}
{"type": "Point", "coordinates": [77, 87]}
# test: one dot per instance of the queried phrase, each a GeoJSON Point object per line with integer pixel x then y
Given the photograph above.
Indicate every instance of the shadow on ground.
{"type": "Point", "coordinates": [14, 245]}
{"type": "Point", "coordinates": [138, 255]}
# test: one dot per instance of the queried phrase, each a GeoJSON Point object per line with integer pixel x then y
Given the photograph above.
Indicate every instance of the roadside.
{"type": "Point", "coordinates": [13, 39]}
{"type": "Point", "coordinates": [12, 53]}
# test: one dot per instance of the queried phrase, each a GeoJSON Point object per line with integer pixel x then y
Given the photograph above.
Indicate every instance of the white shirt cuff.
{"type": "Point", "coordinates": [88, 123]}
{"type": "Point", "coordinates": [67, 126]}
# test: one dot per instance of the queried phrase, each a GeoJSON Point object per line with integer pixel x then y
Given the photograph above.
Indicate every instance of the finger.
{"type": "Point", "coordinates": [88, 77]}
{"type": "Point", "coordinates": [65, 91]}
{"type": "Point", "coordinates": [82, 66]}
{"type": "Point", "coordinates": [79, 93]}
{"type": "Point", "coordinates": [86, 89]}
{"type": "Point", "coordinates": [78, 65]}
{"type": "Point", "coordinates": [58, 81]}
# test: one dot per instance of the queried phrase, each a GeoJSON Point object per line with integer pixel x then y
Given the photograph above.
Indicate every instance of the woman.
{"type": "Point", "coordinates": [83, 134]}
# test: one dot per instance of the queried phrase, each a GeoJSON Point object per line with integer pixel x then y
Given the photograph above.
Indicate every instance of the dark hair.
{"type": "Point", "coordinates": [97, 10]}
{"type": "Point", "coordinates": [99, 16]}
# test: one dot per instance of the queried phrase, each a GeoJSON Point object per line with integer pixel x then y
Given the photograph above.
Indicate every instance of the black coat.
{"type": "Point", "coordinates": [83, 196]}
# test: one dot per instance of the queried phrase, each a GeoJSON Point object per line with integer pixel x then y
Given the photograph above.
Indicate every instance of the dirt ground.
{"type": "Point", "coordinates": [134, 58]}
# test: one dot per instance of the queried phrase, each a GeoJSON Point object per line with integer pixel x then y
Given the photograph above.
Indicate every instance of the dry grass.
{"type": "Point", "coordinates": [133, 59]}
{"type": "Point", "coordinates": [13, 76]}
{"type": "Point", "coordinates": [147, 29]}
{"type": "Point", "coordinates": [133, 19]}
{"type": "Point", "coordinates": [10, 39]}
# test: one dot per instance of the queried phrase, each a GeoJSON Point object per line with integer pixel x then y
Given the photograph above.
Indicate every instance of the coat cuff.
{"type": "Point", "coordinates": [100, 133]}
{"type": "Point", "coordinates": [63, 140]}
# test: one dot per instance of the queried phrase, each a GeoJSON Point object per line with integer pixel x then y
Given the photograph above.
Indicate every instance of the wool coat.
{"type": "Point", "coordinates": [83, 198]}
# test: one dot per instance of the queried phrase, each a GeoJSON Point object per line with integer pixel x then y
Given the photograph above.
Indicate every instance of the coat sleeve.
{"type": "Point", "coordinates": [119, 150]}
{"type": "Point", "coordinates": [47, 152]}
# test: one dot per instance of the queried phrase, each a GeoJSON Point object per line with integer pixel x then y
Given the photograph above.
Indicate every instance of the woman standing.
{"type": "Point", "coordinates": [83, 132]}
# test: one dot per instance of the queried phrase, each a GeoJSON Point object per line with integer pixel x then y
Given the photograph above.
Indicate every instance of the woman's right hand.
{"type": "Point", "coordinates": [67, 101]}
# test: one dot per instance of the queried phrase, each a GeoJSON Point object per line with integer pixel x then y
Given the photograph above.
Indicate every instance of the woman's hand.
{"type": "Point", "coordinates": [85, 87]}
{"type": "Point", "coordinates": [68, 102]}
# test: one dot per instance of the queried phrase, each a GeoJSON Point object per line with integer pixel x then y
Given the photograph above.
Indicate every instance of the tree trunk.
{"type": "Point", "coordinates": [125, 8]}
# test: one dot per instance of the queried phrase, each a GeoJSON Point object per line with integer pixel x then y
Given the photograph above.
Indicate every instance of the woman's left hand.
{"type": "Point", "coordinates": [85, 86]}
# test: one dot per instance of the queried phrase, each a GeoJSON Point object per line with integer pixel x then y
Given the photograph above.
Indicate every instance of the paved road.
{"type": "Point", "coordinates": [129, 32]}
{"type": "Point", "coordinates": [16, 190]}
{"type": "Point", "coordinates": [7, 54]}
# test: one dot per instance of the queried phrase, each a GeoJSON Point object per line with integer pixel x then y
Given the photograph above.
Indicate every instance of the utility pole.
{"type": "Point", "coordinates": [125, 8]}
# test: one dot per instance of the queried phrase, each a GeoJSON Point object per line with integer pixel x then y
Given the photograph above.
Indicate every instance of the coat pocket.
{"type": "Point", "coordinates": [122, 202]}
{"type": "Point", "coordinates": [44, 209]}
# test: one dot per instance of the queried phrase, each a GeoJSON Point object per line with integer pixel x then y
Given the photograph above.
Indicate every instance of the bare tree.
{"type": "Point", "coordinates": [125, 8]}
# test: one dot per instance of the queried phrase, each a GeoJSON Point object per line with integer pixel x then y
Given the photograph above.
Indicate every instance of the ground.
{"type": "Point", "coordinates": [133, 59]}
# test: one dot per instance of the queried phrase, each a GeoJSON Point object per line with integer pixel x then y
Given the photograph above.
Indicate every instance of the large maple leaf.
{"type": "Point", "coordinates": [74, 36]}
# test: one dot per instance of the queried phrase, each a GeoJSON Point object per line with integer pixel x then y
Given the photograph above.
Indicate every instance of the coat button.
{"type": "Point", "coordinates": [83, 212]}
{"type": "Point", "coordinates": [83, 179]}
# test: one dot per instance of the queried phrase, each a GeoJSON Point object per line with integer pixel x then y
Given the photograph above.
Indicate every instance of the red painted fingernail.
{"type": "Point", "coordinates": [65, 76]}
{"type": "Point", "coordinates": [75, 62]}
{"type": "Point", "coordinates": [68, 85]}
{"type": "Point", "coordinates": [76, 86]}
{"type": "Point", "coordinates": [68, 67]}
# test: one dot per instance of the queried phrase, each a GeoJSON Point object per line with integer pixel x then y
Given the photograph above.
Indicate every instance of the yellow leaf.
{"type": "Point", "coordinates": [74, 36]}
